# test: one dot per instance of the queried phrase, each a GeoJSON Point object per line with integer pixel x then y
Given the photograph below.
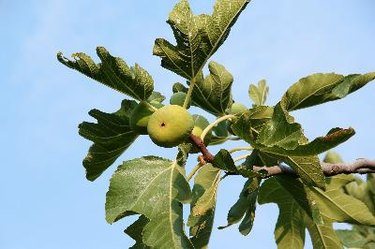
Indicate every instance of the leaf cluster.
{"type": "Point", "coordinates": [156, 188]}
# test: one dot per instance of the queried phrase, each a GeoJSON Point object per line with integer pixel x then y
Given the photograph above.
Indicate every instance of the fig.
{"type": "Point", "coordinates": [200, 123]}
{"type": "Point", "coordinates": [170, 126]}
{"type": "Point", "coordinates": [140, 115]}
{"type": "Point", "coordinates": [178, 99]}
{"type": "Point", "coordinates": [237, 108]}
{"type": "Point", "coordinates": [332, 157]}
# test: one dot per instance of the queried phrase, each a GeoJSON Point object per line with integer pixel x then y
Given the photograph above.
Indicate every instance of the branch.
{"type": "Point", "coordinates": [206, 155]}
{"type": "Point", "coordinates": [360, 166]}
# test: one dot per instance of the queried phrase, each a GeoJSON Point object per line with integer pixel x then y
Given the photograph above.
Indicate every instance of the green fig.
{"type": "Point", "coordinates": [200, 123]}
{"type": "Point", "coordinates": [178, 98]}
{"type": "Point", "coordinates": [170, 126]}
{"type": "Point", "coordinates": [237, 108]}
{"type": "Point", "coordinates": [140, 116]}
{"type": "Point", "coordinates": [332, 157]}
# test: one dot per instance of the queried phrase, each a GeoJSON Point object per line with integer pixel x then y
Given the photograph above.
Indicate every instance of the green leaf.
{"type": "Point", "coordinates": [249, 124]}
{"type": "Point", "coordinates": [203, 205]}
{"type": "Point", "coordinates": [295, 215]}
{"type": "Point", "coordinates": [156, 97]}
{"type": "Point", "coordinates": [259, 93]}
{"type": "Point", "coordinates": [223, 160]}
{"type": "Point", "coordinates": [308, 168]}
{"type": "Point", "coordinates": [351, 238]}
{"type": "Point", "coordinates": [111, 136]}
{"type": "Point", "coordinates": [113, 72]}
{"type": "Point", "coordinates": [320, 88]}
{"type": "Point", "coordinates": [280, 137]}
{"type": "Point", "coordinates": [281, 132]}
{"type": "Point", "coordinates": [154, 187]}
{"type": "Point", "coordinates": [319, 145]}
{"type": "Point", "coordinates": [292, 203]}
{"type": "Point", "coordinates": [244, 208]}
{"type": "Point", "coordinates": [337, 206]}
{"type": "Point", "coordinates": [213, 93]}
{"type": "Point", "coordinates": [135, 232]}
{"type": "Point", "coordinates": [197, 37]}
{"type": "Point", "coordinates": [322, 235]}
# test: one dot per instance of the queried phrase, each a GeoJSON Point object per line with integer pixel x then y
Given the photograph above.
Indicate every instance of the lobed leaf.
{"type": "Point", "coordinates": [244, 209]}
{"type": "Point", "coordinates": [154, 187]}
{"type": "Point", "coordinates": [308, 168]}
{"type": "Point", "coordinates": [322, 235]}
{"type": "Point", "coordinates": [323, 87]}
{"type": "Point", "coordinates": [296, 214]}
{"type": "Point", "coordinates": [135, 231]}
{"type": "Point", "coordinates": [203, 205]}
{"type": "Point", "coordinates": [352, 238]}
{"type": "Point", "coordinates": [335, 205]}
{"type": "Point", "coordinates": [197, 37]}
{"type": "Point", "coordinates": [213, 93]}
{"type": "Point", "coordinates": [111, 136]}
{"type": "Point", "coordinates": [280, 132]}
{"type": "Point", "coordinates": [113, 72]}
{"type": "Point", "coordinates": [249, 124]}
{"type": "Point", "coordinates": [258, 93]}
{"type": "Point", "coordinates": [292, 203]}
{"type": "Point", "coordinates": [223, 160]}
{"type": "Point", "coordinates": [280, 137]}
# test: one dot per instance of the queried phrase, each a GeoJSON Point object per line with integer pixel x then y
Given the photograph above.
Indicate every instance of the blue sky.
{"type": "Point", "coordinates": [46, 200]}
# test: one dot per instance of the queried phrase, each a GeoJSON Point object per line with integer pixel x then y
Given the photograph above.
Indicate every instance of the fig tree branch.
{"type": "Point", "coordinates": [359, 166]}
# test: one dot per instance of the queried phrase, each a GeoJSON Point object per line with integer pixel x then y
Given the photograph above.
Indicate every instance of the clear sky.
{"type": "Point", "coordinates": [46, 202]}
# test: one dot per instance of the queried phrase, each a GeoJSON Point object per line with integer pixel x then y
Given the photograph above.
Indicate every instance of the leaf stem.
{"type": "Point", "coordinates": [151, 107]}
{"type": "Point", "coordinates": [194, 171]}
{"type": "Point", "coordinates": [189, 93]}
{"type": "Point", "coordinates": [212, 125]}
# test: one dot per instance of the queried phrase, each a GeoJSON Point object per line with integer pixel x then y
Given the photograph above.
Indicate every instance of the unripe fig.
{"type": "Point", "coordinates": [178, 98]}
{"type": "Point", "coordinates": [140, 116]}
{"type": "Point", "coordinates": [237, 108]}
{"type": "Point", "coordinates": [170, 125]}
{"type": "Point", "coordinates": [332, 157]}
{"type": "Point", "coordinates": [200, 123]}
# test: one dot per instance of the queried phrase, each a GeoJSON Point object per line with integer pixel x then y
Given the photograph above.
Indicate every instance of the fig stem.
{"type": "Point", "coordinates": [189, 92]}
{"type": "Point", "coordinates": [240, 149]}
{"type": "Point", "coordinates": [194, 171]}
{"type": "Point", "coordinates": [241, 158]}
{"type": "Point", "coordinates": [212, 125]}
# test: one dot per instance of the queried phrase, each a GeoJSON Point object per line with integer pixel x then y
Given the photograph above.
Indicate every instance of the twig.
{"type": "Point", "coordinates": [360, 166]}
{"type": "Point", "coordinates": [207, 156]}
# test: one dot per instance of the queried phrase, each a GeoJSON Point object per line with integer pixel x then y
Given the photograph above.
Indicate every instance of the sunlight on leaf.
{"type": "Point", "coordinates": [111, 136]}
{"type": "Point", "coordinates": [155, 188]}
{"type": "Point", "coordinates": [197, 37]}
{"type": "Point", "coordinates": [203, 205]}
{"type": "Point", "coordinates": [113, 72]}
{"type": "Point", "coordinates": [319, 88]}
